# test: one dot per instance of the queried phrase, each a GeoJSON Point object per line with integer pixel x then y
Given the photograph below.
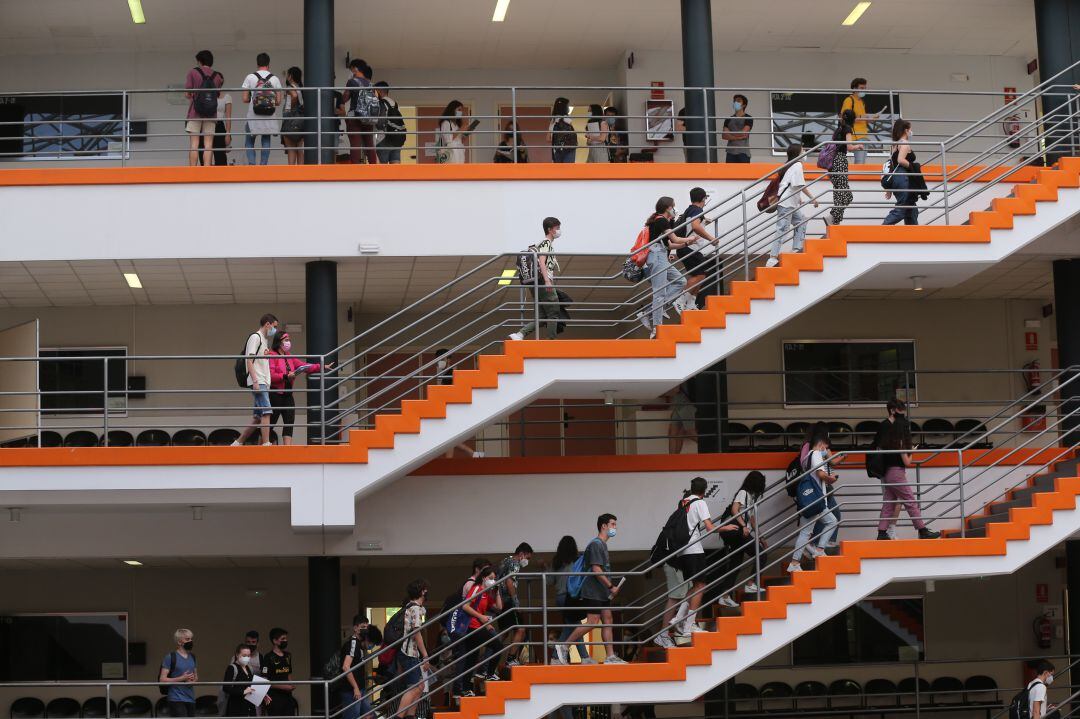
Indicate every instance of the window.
{"type": "Point", "coordinates": [795, 115]}
{"type": "Point", "coordinates": [49, 127]}
{"type": "Point", "coordinates": [848, 372]}
{"type": "Point", "coordinates": [63, 647]}
{"type": "Point", "coordinates": [883, 629]}
{"type": "Point", "coordinates": [84, 379]}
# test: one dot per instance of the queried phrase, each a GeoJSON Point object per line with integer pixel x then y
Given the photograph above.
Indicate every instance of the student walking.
{"type": "Point", "coordinates": [895, 488]}
{"type": "Point", "coordinates": [413, 657]}
{"type": "Point", "coordinates": [355, 703]}
{"type": "Point", "coordinates": [393, 127]}
{"type": "Point", "coordinates": [737, 131]}
{"type": "Point", "coordinates": [596, 134]}
{"type": "Point", "coordinates": [856, 103]}
{"type": "Point", "coordinates": [285, 369]}
{"type": "Point", "coordinates": [905, 177]}
{"type": "Point", "coordinates": [236, 704]}
{"type": "Point", "coordinates": [293, 115]}
{"type": "Point", "coordinates": [788, 216]}
{"type": "Point", "coordinates": [450, 138]}
{"type": "Point", "coordinates": [598, 592]}
{"type": "Point", "coordinates": [257, 364]}
{"type": "Point", "coordinates": [812, 504]}
{"type": "Point", "coordinates": [694, 255]}
{"type": "Point", "coordinates": [263, 96]}
{"type": "Point", "coordinates": [508, 590]}
{"type": "Point", "coordinates": [203, 108]}
{"type": "Point", "coordinates": [683, 424]}
{"type": "Point", "coordinates": [666, 280]}
{"type": "Point", "coordinates": [838, 173]}
{"type": "Point", "coordinates": [543, 291]}
{"type": "Point", "coordinates": [692, 557]}
{"type": "Point", "coordinates": [178, 669]}
{"type": "Point", "coordinates": [1038, 708]}
{"type": "Point", "coordinates": [482, 645]}
{"type": "Point", "coordinates": [566, 554]}
{"type": "Point", "coordinates": [739, 532]}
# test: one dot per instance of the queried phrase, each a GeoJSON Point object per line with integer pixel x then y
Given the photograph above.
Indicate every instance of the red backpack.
{"type": "Point", "coordinates": [639, 253]}
{"type": "Point", "coordinates": [770, 199]}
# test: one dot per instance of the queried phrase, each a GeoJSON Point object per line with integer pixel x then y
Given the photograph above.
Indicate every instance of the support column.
{"type": "Point", "coordinates": [319, 72]}
{"type": "Point", "coordinates": [322, 338]}
{"type": "Point", "coordinates": [1067, 315]}
{"type": "Point", "coordinates": [697, 55]}
{"type": "Point", "coordinates": [1057, 34]}
{"type": "Point", "coordinates": [324, 620]}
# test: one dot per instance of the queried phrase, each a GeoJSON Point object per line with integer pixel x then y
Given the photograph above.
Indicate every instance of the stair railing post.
{"type": "Point", "coordinates": [544, 609]}
{"type": "Point", "coordinates": [326, 696]}
{"type": "Point", "coordinates": [945, 182]}
{"type": "Point", "coordinates": [960, 479]}
{"type": "Point", "coordinates": [536, 294]}
{"type": "Point", "coordinates": [745, 240]}
{"type": "Point", "coordinates": [513, 120]}
{"type": "Point", "coordinates": [108, 701]}
{"type": "Point", "coordinates": [918, 695]}
{"type": "Point", "coordinates": [705, 123]}
{"type": "Point", "coordinates": [757, 547]}
{"type": "Point", "coordinates": [105, 403]}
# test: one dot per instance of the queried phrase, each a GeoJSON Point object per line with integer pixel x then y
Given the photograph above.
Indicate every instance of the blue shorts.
{"type": "Point", "coordinates": [409, 670]}
{"type": "Point", "coordinates": [261, 394]}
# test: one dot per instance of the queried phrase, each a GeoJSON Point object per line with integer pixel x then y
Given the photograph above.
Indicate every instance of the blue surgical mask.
{"type": "Point", "coordinates": [862, 93]}
{"type": "Point", "coordinates": [271, 332]}
{"type": "Point", "coordinates": [611, 533]}
{"type": "Point", "coordinates": [736, 105]}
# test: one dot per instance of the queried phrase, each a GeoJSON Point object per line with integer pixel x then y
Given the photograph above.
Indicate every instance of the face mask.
{"type": "Point", "coordinates": [524, 563]}
{"type": "Point", "coordinates": [489, 583]}
{"type": "Point", "coordinates": [910, 134]}
{"type": "Point", "coordinates": [458, 113]}
{"type": "Point", "coordinates": [188, 646]}
{"type": "Point", "coordinates": [286, 345]}
{"type": "Point", "coordinates": [244, 661]}
{"type": "Point", "coordinates": [611, 533]}
{"type": "Point", "coordinates": [558, 234]}
{"type": "Point", "coordinates": [283, 645]}
{"type": "Point", "coordinates": [271, 332]}
{"type": "Point", "coordinates": [861, 93]}
{"type": "Point", "coordinates": [1049, 680]}
{"type": "Point", "coordinates": [737, 105]}
{"type": "Point", "coordinates": [440, 365]}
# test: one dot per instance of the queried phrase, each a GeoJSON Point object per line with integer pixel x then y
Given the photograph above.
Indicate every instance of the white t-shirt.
{"type": "Point", "coordinates": [819, 463]}
{"type": "Point", "coordinates": [262, 124]}
{"type": "Point", "coordinates": [1036, 693]}
{"type": "Point", "coordinates": [593, 127]}
{"type": "Point", "coordinates": [256, 347]}
{"type": "Point", "coordinates": [791, 185]}
{"type": "Point", "coordinates": [222, 102]}
{"type": "Point", "coordinates": [449, 136]}
{"type": "Point", "coordinates": [742, 498]}
{"type": "Point", "coordinates": [695, 520]}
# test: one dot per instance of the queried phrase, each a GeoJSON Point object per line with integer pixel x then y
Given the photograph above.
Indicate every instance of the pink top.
{"type": "Point", "coordinates": [195, 80]}
{"type": "Point", "coordinates": [280, 367]}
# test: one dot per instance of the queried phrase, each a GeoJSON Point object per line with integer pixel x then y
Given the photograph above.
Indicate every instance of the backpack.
{"type": "Point", "coordinates": [368, 106]}
{"type": "Point", "coordinates": [770, 199]}
{"type": "Point", "coordinates": [886, 175]}
{"type": "Point", "coordinates": [1020, 706]}
{"type": "Point", "coordinates": [332, 667]}
{"type": "Point", "coordinates": [263, 99]}
{"type": "Point", "coordinates": [293, 118]}
{"type": "Point", "coordinates": [676, 532]}
{"type": "Point", "coordinates": [577, 581]}
{"type": "Point", "coordinates": [394, 124]}
{"type": "Point", "coordinates": [794, 470]}
{"type": "Point", "coordinates": [164, 689]}
{"type": "Point", "coordinates": [563, 134]}
{"type": "Point", "coordinates": [393, 632]}
{"type": "Point", "coordinates": [204, 102]}
{"type": "Point", "coordinates": [681, 230]}
{"type": "Point", "coordinates": [632, 271]}
{"type": "Point", "coordinates": [875, 465]}
{"type": "Point", "coordinates": [826, 156]}
{"type": "Point", "coordinates": [639, 253]}
{"type": "Point", "coordinates": [527, 267]}
{"type": "Point", "coordinates": [240, 366]}
{"type": "Point", "coordinates": [457, 623]}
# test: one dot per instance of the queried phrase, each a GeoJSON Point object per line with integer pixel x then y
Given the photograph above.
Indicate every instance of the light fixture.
{"type": "Point", "coordinates": [197, 512]}
{"type": "Point", "coordinates": [14, 514]}
{"type": "Point", "coordinates": [368, 248]}
{"type": "Point", "coordinates": [137, 16]}
{"type": "Point", "coordinates": [855, 14]}
{"type": "Point", "coordinates": [133, 562]}
{"type": "Point", "coordinates": [916, 282]}
{"type": "Point", "coordinates": [500, 10]}
{"type": "Point", "coordinates": [133, 280]}
{"type": "Point", "coordinates": [609, 396]}
{"type": "Point", "coordinates": [507, 277]}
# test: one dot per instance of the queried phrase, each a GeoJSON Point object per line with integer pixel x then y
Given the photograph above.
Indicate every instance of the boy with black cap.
{"type": "Point", "coordinates": [694, 256]}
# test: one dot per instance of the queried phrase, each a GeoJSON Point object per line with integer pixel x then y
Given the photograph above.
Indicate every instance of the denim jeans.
{"type": "Point", "coordinates": [736, 158]}
{"type": "Point", "coordinates": [352, 709]}
{"type": "Point", "coordinates": [564, 155]}
{"type": "Point", "coordinates": [388, 155]}
{"type": "Point", "coordinates": [806, 528]}
{"type": "Point", "coordinates": [249, 143]}
{"type": "Point", "coordinates": [905, 202]}
{"type": "Point", "coordinates": [788, 220]}
{"type": "Point", "coordinates": [829, 540]}
{"type": "Point", "coordinates": [666, 280]}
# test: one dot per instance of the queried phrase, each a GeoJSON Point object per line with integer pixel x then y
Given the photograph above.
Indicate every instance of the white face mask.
{"type": "Point", "coordinates": [524, 563]}
{"type": "Point", "coordinates": [489, 583]}
{"type": "Point", "coordinates": [244, 661]}
{"type": "Point", "coordinates": [557, 235]}
{"type": "Point", "coordinates": [1049, 680]}
{"type": "Point", "coordinates": [458, 113]}
{"type": "Point", "coordinates": [910, 134]}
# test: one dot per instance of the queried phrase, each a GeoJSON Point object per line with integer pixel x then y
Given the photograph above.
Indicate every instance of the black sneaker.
{"type": "Point", "coordinates": [883, 535]}
{"type": "Point", "coordinates": [925, 533]}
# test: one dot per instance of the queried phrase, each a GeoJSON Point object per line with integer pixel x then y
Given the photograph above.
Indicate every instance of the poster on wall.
{"type": "Point", "coordinates": [811, 118]}
{"type": "Point", "coordinates": [660, 120]}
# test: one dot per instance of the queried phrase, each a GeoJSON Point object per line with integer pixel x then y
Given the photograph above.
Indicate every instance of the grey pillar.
{"type": "Point", "coordinates": [322, 338]}
{"type": "Point", "coordinates": [1067, 314]}
{"type": "Point", "coordinates": [319, 72]}
{"type": "Point", "coordinates": [324, 621]}
{"type": "Point", "coordinates": [697, 55]}
{"type": "Point", "coordinates": [1057, 33]}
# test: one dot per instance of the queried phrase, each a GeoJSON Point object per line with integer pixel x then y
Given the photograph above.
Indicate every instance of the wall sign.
{"type": "Point", "coordinates": [1042, 593]}
{"type": "Point", "coordinates": [1031, 341]}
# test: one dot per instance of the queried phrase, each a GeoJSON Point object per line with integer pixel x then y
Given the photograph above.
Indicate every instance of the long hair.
{"type": "Point", "coordinates": [662, 206]}
{"type": "Point", "coordinates": [449, 111]}
{"type": "Point", "coordinates": [596, 112]}
{"type": "Point", "coordinates": [754, 483]}
{"type": "Point", "coordinates": [899, 128]}
{"type": "Point", "coordinates": [565, 553]}
{"type": "Point", "coordinates": [296, 75]}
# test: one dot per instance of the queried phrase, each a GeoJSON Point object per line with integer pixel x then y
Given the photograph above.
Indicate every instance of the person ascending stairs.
{"type": "Point", "coordinates": [894, 485]}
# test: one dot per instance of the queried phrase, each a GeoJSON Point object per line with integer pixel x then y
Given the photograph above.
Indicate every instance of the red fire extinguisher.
{"type": "Point", "coordinates": [1012, 127]}
{"type": "Point", "coordinates": [1044, 630]}
{"type": "Point", "coordinates": [1032, 375]}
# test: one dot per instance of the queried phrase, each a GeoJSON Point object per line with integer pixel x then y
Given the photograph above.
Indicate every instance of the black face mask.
{"type": "Point", "coordinates": [188, 646]}
{"type": "Point", "coordinates": [283, 645]}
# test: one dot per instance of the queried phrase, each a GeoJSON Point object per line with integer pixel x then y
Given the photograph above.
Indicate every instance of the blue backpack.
{"type": "Point", "coordinates": [457, 623]}
{"type": "Point", "coordinates": [574, 583]}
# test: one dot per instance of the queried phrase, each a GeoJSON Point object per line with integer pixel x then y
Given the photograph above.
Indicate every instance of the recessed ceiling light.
{"type": "Point", "coordinates": [137, 16]}
{"type": "Point", "coordinates": [500, 10]}
{"type": "Point", "coordinates": [856, 14]}
{"type": "Point", "coordinates": [133, 562]}
{"type": "Point", "coordinates": [916, 283]}
{"type": "Point", "coordinates": [133, 280]}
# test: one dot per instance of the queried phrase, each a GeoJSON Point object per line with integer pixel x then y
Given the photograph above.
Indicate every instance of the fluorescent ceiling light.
{"type": "Point", "coordinates": [137, 16]}
{"type": "Point", "coordinates": [856, 14]}
{"type": "Point", "coordinates": [507, 277]}
{"type": "Point", "coordinates": [133, 562]}
{"type": "Point", "coordinates": [500, 10]}
{"type": "Point", "coordinates": [133, 280]}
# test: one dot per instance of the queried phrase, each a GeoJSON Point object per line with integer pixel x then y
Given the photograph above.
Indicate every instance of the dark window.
{"type": "Point", "coordinates": [70, 647]}
{"type": "Point", "coordinates": [45, 127]}
{"type": "Point", "coordinates": [798, 114]}
{"type": "Point", "coordinates": [858, 372]}
{"type": "Point", "coordinates": [887, 629]}
{"type": "Point", "coordinates": [75, 383]}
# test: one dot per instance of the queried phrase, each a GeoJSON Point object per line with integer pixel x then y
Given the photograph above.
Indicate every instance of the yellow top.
{"type": "Point", "coordinates": [854, 102]}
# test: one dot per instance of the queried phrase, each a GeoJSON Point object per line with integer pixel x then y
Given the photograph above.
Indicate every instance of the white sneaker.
{"type": "Point", "coordinates": [727, 601]}
{"type": "Point", "coordinates": [516, 336]}
{"type": "Point", "coordinates": [645, 320]}
{"type": "Point", "coordinates": [751, 588]}
{"type": "Point", "coordinates": [562, 654]}
{"type": "Point", "coordinates": [652, 334]}
{"type": "Point", "coordinates": [588, 660]}
{"type": "Point", "coordinates": [772, 262]}
{"type": "Point", "coordinates": [478, 455]}
{"type": "Point", "coordinates": [665, 641]}
{"type": "Point", "coordinates": [267, 444]}
{"type": "Point", "coordinates": [696, 629]}
{"type": "Point", "coordinates": [513, 662]}
{"type": "Point", "coordinates": [236, 443]}
{"type": "Point", "coordinates": [794, 567]}
{"type": "Point", "coordinates": [614, 660]}
{"type": "Point", "coordinates": [816, 552]}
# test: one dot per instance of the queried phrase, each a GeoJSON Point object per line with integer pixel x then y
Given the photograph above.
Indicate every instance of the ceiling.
{"type": "Point", "coordinates": [555, 33]}
{"type": "Point", "coordinates": [1019, 277]}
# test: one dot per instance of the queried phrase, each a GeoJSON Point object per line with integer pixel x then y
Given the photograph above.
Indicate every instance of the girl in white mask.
{"type": "Point", "coordinates": [450, 138]}
{"type": "Point", "coordinates": [236, 703]}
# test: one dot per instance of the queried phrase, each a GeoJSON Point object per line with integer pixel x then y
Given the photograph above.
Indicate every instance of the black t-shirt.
{"type": "Point", "coordinates": [687, 217]}
{"type": "Point", "coordinates": [275, 668]}
{"type": "Point", "coordinates": [658, 225]}
{"type": "Point", "coordinates": [840, 137]}
{"type": "Point", "coordinates": [353, 648]}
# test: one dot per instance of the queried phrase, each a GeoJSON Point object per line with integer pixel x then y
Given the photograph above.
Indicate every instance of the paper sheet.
{"type": "Point", "coordinates": [260, 686]}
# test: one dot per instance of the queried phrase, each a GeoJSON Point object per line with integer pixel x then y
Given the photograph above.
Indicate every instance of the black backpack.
{"type": "Point", "coordinates": [563, 134]}
{"type": "Point", "coordinates": [684, 231]}
{"type": "Point", "coordinates": [240, 366]}
{"type": "Point", "coordinates": [164, 688]}
{"type": "Point", "coordinates": [794, 471]}
{"type": "Point", "coordinates": [393, 632]}
{"type": "Point", "coordinates": [206, 97]}
{"type": "Point", "coordinates": [1020, 706]}
{"type": "Point", "coordinates": [526, 266]}
{"type": "Point", "coordinates": [394, 124]}
{"type": "Point", "coordinates": [675, 535]}
{"type": "Point", "coordinates": [264, 97]}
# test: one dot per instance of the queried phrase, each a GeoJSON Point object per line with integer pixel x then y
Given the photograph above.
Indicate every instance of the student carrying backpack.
{"type": "Point", "coordinates": [264, 99]}
{"type": "Point", "coordinates": [634, 267]}
{"type": "Point", "coordinates": [205, 100]}
{"type": "Point", "coordinates": [563, 134]}
{"type": "Point", "coordinates": [674, 536]}
{"type": "Point", "coordinates": [577, 581]}
{"type": "Point", "coordinates": [527, 266]}
{"type": "Point", "coordinates": [240, 366]}
{"type": "Point", "coordinates": [393, 124]}
{"type": "Point", "coordinates": [1020, 706]}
